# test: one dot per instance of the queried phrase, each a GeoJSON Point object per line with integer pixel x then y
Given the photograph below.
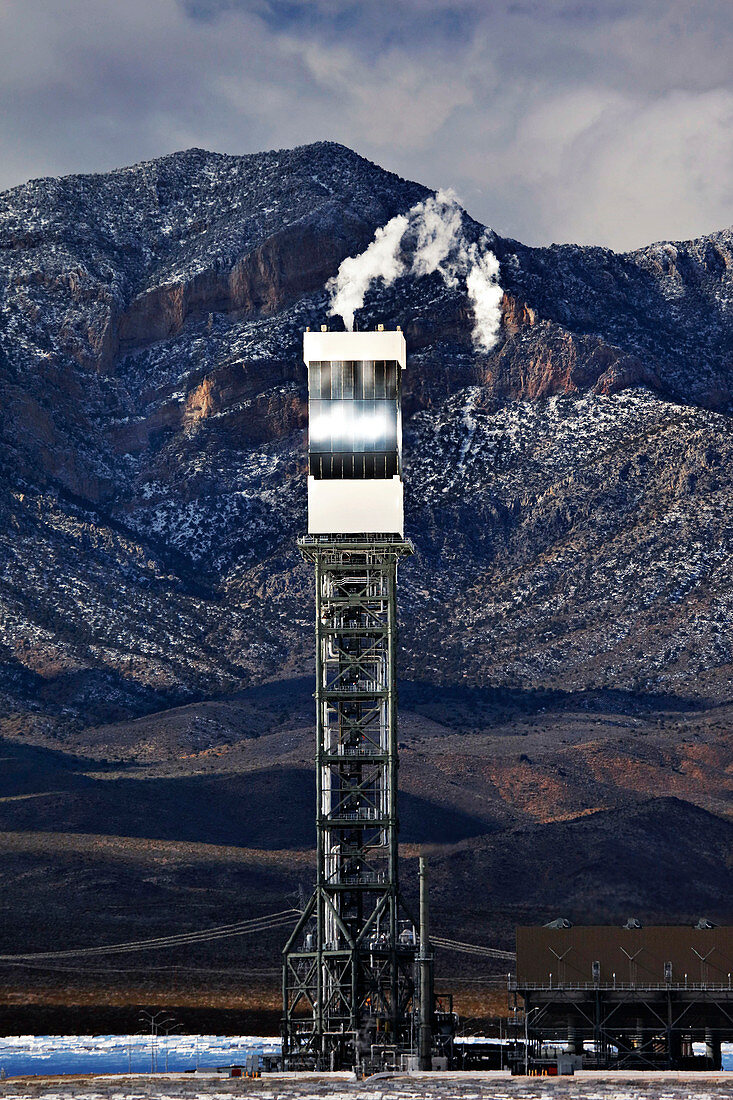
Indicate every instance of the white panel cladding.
{"type": "Point", "coordinates": [353, 507]}
{"type": "Point", "coordinates": [319, 346]}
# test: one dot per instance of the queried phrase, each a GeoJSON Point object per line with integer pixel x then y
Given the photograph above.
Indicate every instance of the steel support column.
{"type": "Point", "coordinates": [348, 969]}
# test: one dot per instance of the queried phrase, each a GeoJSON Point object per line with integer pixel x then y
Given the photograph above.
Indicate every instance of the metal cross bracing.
{"type": "Point", "coordinates": [629, 1026]}
{"type": "Point", "coordinates": [348, 971]}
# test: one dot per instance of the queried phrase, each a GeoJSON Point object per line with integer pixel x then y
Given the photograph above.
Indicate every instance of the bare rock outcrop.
{"type": "Point", "coordinates": [568, 508]}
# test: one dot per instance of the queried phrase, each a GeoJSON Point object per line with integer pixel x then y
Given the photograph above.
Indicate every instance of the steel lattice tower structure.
{"type": "Point", "coordinates": [349, 967]}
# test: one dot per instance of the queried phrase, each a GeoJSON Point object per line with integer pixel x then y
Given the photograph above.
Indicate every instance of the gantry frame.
{"type": "Point", "coordinates": [630, 1026]}
{"type": "Point", "coordinates": [349, 967]}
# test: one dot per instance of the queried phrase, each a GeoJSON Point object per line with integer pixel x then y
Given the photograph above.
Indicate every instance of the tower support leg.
{"type": "Point", "coordinates": [348, 984]}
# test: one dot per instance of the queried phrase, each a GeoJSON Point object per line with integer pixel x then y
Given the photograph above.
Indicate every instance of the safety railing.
{"type": "Point", "coordinates": [369, 813]}
{"type": "Point", "coordinates": [356, 750]}
{"type": "Point", "coordinates": [363, 878]}
{"type": "Point", "coordinates": [514, 985]}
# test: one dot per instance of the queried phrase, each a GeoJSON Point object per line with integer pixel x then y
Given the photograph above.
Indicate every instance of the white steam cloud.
{"type": "Point", "coordinates": [436, 225]}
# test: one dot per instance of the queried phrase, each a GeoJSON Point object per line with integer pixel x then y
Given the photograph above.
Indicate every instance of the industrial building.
{"type": "Point", "coordinates": [629, 997]}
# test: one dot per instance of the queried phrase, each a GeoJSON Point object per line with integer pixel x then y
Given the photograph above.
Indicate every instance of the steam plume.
{"type": "Point", "coordinates": [435, 242]}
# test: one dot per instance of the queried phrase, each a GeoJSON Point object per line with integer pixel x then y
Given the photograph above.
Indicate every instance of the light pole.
{"type": "Point", "coordinates": [155, 1022]}
{"type": "Point", "coordinates": [168, 1030]}
{"type": "Point", "coordinates": [526, 1037]}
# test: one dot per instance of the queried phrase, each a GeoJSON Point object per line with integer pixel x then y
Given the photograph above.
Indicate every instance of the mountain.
{"type": "Point", "coordinates": [566, 620]}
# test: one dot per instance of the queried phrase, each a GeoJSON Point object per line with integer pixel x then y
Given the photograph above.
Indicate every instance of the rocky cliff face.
{"type": "Point", "coordinates": [568, 493]}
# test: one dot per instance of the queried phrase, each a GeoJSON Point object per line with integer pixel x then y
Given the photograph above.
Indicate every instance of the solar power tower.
{"type": "Point", "coordinates": [348, 972]}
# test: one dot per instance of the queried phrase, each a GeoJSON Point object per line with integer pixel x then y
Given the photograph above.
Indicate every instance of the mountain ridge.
{"type": "Point", "coordinates": [567, 618]}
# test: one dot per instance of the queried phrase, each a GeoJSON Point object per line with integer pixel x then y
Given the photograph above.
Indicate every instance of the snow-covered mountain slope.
{"type": "Point", "coordinates": [568, 493]}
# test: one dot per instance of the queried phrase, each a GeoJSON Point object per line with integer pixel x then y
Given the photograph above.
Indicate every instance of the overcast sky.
{"type": "Point", "coordinates": [596, 121]}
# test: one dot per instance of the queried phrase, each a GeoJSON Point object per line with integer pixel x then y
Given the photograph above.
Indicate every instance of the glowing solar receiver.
{"type": "Point", "coordinates": [355, 432]}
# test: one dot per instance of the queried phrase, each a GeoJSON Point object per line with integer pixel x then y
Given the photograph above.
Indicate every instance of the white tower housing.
{"type": "Point", "coordinates": [355, 432]}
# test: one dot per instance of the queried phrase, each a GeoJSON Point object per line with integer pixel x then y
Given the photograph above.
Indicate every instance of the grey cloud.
{"type": "Point", "coordinates": [598, 122]}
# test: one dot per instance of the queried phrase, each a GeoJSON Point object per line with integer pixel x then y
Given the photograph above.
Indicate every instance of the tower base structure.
{"type": "Point", "coordinates": [350, 995]}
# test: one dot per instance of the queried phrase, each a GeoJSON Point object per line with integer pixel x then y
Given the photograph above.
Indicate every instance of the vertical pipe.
{"type": "Point", "coordinates": [527, 1011]}
{"type": "Point", "coordinates": [320, 877]}
{"type": "Point", "coordinates": [426, 992]}
{"type": "Point", "coordinates": [575, 1042]}
{"type": "Point", "coordinates": [390, 575]}
{"type": "Point", "coordinates": [712, 1049]}
{"type": "Point", "coordinates": [286, 1016]}
{"type": "Point", "coordinates": [356, 1013]}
